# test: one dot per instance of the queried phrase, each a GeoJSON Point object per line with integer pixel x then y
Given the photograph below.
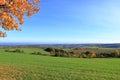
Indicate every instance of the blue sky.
{"type": "Point", "coordinates": [71, 21]}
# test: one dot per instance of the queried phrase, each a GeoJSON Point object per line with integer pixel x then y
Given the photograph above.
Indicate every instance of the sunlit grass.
{"type": "Point", "coordinates": [34, 67]}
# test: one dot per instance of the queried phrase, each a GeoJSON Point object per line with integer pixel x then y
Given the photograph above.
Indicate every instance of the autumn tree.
{"type": "Point", "coordinates": [116, 53]}
{"type": "Point", "coordinates": [12, 13]}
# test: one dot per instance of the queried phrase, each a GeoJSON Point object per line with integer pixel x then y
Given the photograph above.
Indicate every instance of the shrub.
{"type": "Point", "coordinates": [92, 55]}
{"type": "Point", "coordinates": [7, 50]}
{"type": "Point", "coordinates": [116, 53]}
{"type": "Point", "coordinates": [36, 53]}
{"type": "Point", "coordinates": [16, 50]}
{"type": "Point", "coordinates": [87, 52]}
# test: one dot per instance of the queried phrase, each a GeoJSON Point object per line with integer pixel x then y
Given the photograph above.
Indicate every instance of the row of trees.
{"type": "Point", "coordinates": [57, 52]}
{"type": "Point", "coordinates": [15, 51]}
{"type": "Point", "coordinates": [81, 54]}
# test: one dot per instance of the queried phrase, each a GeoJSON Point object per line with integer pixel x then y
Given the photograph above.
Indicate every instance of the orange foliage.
{"type": "Point", "coordinates": [2, 2]}
{"type": "Point", "coordinates": [12, 12]}
{"type": "Point", "coordinates": [92, 55]}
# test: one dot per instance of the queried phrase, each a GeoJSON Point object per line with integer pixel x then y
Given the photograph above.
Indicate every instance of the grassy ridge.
{"type": "Point", "coordinates": [34, 67]}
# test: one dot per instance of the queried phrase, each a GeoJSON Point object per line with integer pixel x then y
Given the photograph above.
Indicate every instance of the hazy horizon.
{"type": "Point", "coordinates": [37, 43]}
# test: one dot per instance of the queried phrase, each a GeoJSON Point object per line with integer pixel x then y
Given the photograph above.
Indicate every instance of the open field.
{"type": "Point", "coordinates": [15, 66]}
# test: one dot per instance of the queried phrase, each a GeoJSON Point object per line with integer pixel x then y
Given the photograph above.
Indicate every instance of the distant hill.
{"type": "Point", "coordinates": [117, 45]}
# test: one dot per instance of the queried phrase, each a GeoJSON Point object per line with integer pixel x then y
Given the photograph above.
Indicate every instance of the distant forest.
{"type": "Point", "coordinates": [62, 45]}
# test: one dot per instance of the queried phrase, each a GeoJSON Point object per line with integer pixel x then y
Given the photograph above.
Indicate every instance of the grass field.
{"type": "Point", "coordinates": [15, 66]}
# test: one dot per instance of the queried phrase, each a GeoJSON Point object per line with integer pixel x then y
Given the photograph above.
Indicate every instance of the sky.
{"type": "Point", "coordinates": [71, 21]}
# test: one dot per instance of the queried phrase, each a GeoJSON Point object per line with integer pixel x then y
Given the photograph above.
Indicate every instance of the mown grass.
{"type": "Point", "coordinates": [34, 67]}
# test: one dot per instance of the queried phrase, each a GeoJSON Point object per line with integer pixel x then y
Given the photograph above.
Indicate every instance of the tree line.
{"type": "Point", "coordinates": [82, 53]}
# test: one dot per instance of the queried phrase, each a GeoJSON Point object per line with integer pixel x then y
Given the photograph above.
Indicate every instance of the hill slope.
{"type": "Point", "coordinates": [34, 67]}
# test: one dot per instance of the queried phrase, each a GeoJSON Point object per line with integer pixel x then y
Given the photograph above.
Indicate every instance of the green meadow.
{"type": "Point", "coordinates": [25, 66]}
